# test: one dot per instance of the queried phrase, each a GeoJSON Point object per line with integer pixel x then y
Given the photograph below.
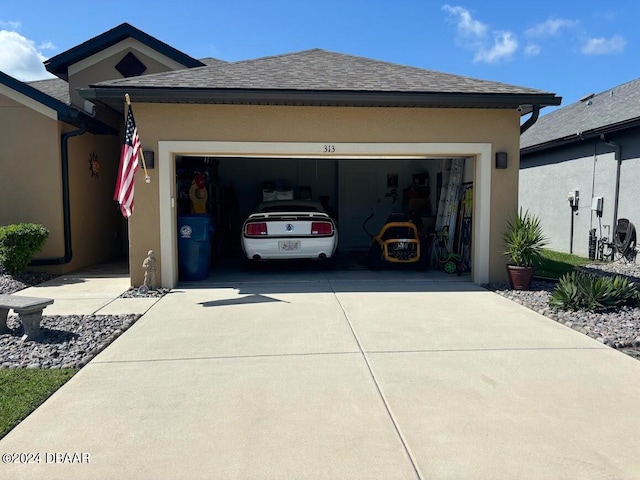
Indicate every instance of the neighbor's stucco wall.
{"type": "Point", "coordinates": [30, 182]}
{"type": "Point", "coordinates": [589, 167]}
{"type": "Point", "coordinates": [329, 125]}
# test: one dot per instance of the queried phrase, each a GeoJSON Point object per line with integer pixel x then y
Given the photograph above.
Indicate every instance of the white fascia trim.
{"type": "Point", "coordinates": [119, 47]}
{"type": "Point", "coordinates": [28, 102]}
{"type": "Point", "coordinates": [167, 150]}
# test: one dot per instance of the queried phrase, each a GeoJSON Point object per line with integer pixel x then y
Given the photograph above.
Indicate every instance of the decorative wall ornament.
{"type": "Point", "coordinates": [94, 165]}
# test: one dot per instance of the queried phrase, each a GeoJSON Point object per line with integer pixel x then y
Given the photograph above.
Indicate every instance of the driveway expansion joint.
{"type": "Point", "coordinates": [396, 427]}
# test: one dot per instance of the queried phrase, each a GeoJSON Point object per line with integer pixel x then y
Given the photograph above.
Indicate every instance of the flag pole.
{"type": "Point", "coordinates": [147, 178]}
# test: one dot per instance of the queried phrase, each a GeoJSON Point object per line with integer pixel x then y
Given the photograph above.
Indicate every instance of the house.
{"type": "Point", "coordinates": [592, 147]}
{"type": "Point", "coordinates": [352, 131]}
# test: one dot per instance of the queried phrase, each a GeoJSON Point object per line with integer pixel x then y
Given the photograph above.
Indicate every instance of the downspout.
{"type": "Point", "coordinates": [618, 156]}
{"type": "Point", "coordinates": [535, 113]}
{"type": "Point", "coordinates": [66, 204]}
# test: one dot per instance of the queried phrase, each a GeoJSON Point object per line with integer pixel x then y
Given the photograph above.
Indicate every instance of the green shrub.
{"type": "Point", "coordinates": [596, 293]}
{"type": "Point", "coordinates": [524, 240]}
{"type": "Point", "coordinates": [18, 243]}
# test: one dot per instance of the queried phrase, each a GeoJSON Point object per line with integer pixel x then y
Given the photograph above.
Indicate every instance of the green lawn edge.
{"type": "Point", "coordinates": [555, 264]}
{"type": "Point", "coordinates": [24, 390]}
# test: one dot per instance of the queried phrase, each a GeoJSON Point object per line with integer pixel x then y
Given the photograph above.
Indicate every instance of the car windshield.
{"type": "Point", "coordinates": [288, 208]}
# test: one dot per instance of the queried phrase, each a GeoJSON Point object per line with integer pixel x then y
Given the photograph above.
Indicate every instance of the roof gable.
{"type": "Point", "coordinates": [613, 109]}
{"type": "Point", "coordinates": [59, 64]}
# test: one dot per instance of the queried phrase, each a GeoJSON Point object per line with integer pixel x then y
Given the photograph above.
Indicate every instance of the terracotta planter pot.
{"type": "Point", "coordinates": [520, 278]}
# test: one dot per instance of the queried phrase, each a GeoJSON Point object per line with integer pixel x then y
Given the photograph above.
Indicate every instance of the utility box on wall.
{"type": "Point", "coordinates": [597, 205]}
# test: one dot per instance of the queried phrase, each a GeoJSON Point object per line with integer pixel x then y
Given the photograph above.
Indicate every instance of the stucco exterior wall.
{"type": "Point", "coordinates": [590, 167]}
{"type": "Point", "coordinates": [96, 224]}
{"type": "Point", "coordinates": [31, 185]}
{"type": "Point", "coordinates": [30, 182]}
{"type": "Point", "coordinates": [158, 122]}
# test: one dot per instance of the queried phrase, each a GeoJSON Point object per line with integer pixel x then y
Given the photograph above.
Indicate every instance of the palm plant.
{"type": "Point", "coordinates": [524, 240]}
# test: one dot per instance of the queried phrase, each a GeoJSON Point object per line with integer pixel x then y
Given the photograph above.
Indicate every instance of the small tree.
{"type": "Point", "coordinates": [18, 244]}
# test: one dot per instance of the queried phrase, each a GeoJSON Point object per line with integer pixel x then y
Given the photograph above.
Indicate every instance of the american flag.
{"type": "Point", "coordinates": [128, 167]}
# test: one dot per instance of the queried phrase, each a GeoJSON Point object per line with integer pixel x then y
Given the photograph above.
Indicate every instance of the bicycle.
{"type": "Point", "coordinates": [447, 260]}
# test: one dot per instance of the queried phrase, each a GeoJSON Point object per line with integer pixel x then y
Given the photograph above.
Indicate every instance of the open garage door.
{"type": "Point", "coordinates": [385, 187]}
{"type": "Point", "coordinates": [351, 190]}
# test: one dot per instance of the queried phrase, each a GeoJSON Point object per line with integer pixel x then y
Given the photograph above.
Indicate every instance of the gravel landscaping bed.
{"type": "Point", "coordinates": [69, 341]}
{"type": "Point", "coordinates": [620, 329]}
{"type": "Point", "coordinates": [10, 284]}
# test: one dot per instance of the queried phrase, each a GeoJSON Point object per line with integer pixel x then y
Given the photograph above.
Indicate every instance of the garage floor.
{"type": "Point", "coordinates": [349, 266]}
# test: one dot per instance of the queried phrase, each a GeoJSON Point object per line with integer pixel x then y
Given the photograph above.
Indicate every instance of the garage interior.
{"type": "Point", "coordinates": [228, 189]}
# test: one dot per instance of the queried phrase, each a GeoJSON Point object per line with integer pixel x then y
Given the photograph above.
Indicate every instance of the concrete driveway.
{"type": "Point", "coordinates": [336, 378]}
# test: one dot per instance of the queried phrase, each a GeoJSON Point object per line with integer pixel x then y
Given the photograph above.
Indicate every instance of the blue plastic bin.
{"type": "Point", "coordinates": [194, 246]}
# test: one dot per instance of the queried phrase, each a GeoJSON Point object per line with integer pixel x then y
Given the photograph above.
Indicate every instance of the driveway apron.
{"type": "Point", "coordinates": [341, 379]}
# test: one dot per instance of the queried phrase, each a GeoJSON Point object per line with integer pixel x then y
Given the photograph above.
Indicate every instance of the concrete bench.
{"type": "Point", "coordinates": [29, 310]}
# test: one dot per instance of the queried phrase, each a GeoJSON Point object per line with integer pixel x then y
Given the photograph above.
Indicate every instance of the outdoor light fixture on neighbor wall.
{"type": "Point", "coordinates": [501, 160]}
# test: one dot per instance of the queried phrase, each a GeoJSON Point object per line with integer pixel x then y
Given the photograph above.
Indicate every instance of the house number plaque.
{"type": "Point", "coordinates": [329, 148]}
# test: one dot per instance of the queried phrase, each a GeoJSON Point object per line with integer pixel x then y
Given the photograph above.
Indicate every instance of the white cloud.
{"type": "Point", "coordinates": [47, 46]}
{"type": "Point", "coordinates": [550, 28]}
{"type": "Point", "coordinates": [604, 46]}
{"type": "Point", "coordinates": [10, 25]}
{"type": "Point", "coordinates": [20, 58]}
{"type": "Point", "coordinates": [474, 35]}
{"type": "Point", "coordinates": [531, 50]}
{"type": "Point", "coordinates": [504, 46]}
{"type": "Point", "coordinates": [466, 25]}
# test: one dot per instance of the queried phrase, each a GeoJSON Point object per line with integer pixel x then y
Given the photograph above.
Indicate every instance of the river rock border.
{"type": "Point", "coordinates": [69, 341]}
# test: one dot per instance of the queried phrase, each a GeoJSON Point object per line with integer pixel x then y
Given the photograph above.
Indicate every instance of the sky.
{"type": "Point", "coordinates": [568, 47]}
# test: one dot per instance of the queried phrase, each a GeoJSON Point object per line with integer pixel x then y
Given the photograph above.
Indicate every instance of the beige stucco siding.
{"type": "Point", "coordinates": [30, 179]}
{"type": "Point", "coordinates": [158, 122]}
{"type": "Point", "coordinates": [31, 185]}
{"type": "Point", "coordinates": [95, 217]}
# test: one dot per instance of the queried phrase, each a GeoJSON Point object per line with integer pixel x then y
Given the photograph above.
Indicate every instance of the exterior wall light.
{"type": "Point", "coordinates": [149, 158]}
{"type": "Point", "coordinates": [501, 160]}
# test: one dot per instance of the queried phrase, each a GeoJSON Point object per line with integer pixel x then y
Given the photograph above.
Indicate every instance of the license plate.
{"type": "Point", "coordinates": [289, 245]}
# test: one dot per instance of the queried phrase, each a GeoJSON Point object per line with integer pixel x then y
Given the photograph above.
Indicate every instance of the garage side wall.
{"type": "Point", "coordinates": [324, 125]}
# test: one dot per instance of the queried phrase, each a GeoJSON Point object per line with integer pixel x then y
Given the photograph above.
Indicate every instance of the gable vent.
{"type": "Point", "coordinates": [130, 66]}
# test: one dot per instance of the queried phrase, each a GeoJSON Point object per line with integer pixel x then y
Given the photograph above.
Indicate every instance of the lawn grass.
{"type": "Point", "coordinates": [556, 264]}
{"type": "Point", "coordinates": [22, 391]}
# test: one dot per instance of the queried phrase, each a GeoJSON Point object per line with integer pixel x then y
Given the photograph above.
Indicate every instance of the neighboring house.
{"type": "Point", "coordinates": [592, 146]}
{"type": "Point", "coordinates": [348, 129]}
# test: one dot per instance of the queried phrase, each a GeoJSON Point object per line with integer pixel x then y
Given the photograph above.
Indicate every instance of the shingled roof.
{"type": "Point", "coordinates": [322, 76]}
{"type": "Point", "coordinates": [54, 87]}
{"type": "Point", "coordinates": [612, 110]}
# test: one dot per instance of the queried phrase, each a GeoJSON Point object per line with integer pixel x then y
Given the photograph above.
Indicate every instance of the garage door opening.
{"type": "Point", "coordinates": [436, 192]}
